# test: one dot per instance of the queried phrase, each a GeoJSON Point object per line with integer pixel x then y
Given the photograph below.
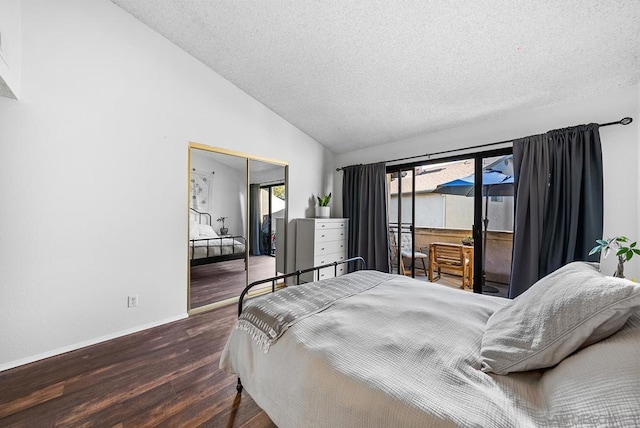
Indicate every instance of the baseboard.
{"type": "Point", "coordinates": [53, 353]}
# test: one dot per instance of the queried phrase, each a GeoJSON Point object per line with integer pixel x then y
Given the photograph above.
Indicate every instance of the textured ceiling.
{"type": "Point", "coordinates": [353, 74]}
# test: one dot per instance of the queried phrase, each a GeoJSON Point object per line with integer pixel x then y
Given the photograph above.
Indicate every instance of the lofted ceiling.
{"type": "Point", "coordinates": [353, 74]}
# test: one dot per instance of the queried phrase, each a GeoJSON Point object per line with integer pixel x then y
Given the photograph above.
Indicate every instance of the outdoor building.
{"type": "Point", "coordinates": [442, 210]}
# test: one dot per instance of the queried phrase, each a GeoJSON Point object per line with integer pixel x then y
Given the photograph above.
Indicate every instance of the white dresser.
{"type": "Point", "coordinates": [320, 241]}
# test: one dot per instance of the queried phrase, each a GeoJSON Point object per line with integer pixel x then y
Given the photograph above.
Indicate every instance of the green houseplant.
{"type": "Point", "coordinates": [323, 210]}
{"type": "Point", "coordinates": [223, 230]}
{"type": "Point", "coordinates": [623, 251]}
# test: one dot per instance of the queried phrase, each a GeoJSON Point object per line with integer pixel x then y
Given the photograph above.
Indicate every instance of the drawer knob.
{"type": "Point", "coordinates": [322, 249]}
{"type": "Point", "coordinates": [322, 236]}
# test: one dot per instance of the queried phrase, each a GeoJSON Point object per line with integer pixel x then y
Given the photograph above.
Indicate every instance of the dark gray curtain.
{"type": "Point", "coordinates": [558, 202]}
{"type": "Point", "coordinates": [364, 202]}
{"type": "Point", "coordinates": [254, 220]}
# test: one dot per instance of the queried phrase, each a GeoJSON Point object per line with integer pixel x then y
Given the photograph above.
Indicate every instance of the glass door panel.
{"type": "Point", "coordinates": [450, 236]}
{"type": "Point", "coordinates": [401, 221]}
{"type": "Point", "coordinates": [394, 186]}
{"type": "Point", "coordinates": [497, 223]}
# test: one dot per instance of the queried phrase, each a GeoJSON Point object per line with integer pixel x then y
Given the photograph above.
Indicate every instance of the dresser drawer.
{"type": "Point", "coordinates": [320, 260]}
{"type": "Point", "coordinates": [330, 224]}
{"type": "Point", "coordinates": [330, 272]}
{"type": "Point", "coordinates": [322, 248]}
{"type": "Point", "coordinates": [324, 235]}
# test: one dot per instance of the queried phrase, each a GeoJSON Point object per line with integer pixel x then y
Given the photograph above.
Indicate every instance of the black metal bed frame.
{"type": "Point", "coordinates": [219, 258]}
{"type": "Point", "coordinates": [273, 280]}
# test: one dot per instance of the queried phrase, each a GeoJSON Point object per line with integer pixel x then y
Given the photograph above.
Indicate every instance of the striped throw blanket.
{"type": "Point", "coordinates": [266, 318]}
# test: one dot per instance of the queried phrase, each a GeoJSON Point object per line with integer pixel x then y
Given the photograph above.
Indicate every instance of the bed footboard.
{"type": "Point", "coordinates": [357, 261]}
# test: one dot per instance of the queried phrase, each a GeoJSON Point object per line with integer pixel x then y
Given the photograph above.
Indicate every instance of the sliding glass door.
{"type": "Point", "coordinates": [451, 220]}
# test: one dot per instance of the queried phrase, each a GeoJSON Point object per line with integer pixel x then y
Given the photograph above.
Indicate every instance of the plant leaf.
{"type": "Point", "coordinates": [621, 251]}
{"type": "Point", "coordinates": [629, 254]}
{"type": "Point", "coordinates": [635, 250]}
{"type": "Point", "coordinates": [601, 241]}
{"type": "Point", "coordinates": [633, 244]}
{"type": "Point", "coordinates": [606, 252]}
{"type": "Point", "coordinates": [594, 250]}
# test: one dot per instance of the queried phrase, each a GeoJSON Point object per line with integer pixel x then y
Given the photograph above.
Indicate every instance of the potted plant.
{"type": "Point", "coordinates": [323, 210]}
{"type": "Point", "coordinates": [623, 251]}
{"type": "Point", "coordinates": [223, 230]}
{"type": "Point", "coordinates": [467, 240]}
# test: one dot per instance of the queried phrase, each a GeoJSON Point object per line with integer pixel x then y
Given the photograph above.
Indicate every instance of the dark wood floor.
{"type": "Point", "coordinates": [165, 376]}
{"type": "Point", "coordinates": [218, 281]}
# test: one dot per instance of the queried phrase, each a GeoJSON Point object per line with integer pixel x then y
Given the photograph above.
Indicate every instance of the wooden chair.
{"type": "Point", "coordinates": [406, 254]}
{"type": "Point", "coordinates": [455, 257]}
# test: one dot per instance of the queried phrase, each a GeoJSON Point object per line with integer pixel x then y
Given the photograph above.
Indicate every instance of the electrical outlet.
{"type": "Point", "coordinates": [132, 301]}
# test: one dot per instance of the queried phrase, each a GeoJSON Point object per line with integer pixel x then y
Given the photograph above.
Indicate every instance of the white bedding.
{"type": "Point", "coordinates": [216, 247]}
{"type": "Point", "coordinates": [407, 354]}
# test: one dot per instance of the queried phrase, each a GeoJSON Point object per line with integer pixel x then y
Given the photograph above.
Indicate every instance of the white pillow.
{"type": "Point", "coordinates": [572, 307]}
{"type": "Point", "coordinates": [193, 229]}
{"type": "Point", "coordinates": [207, 231]}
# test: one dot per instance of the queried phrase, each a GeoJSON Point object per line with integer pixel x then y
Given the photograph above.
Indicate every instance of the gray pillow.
{"type": "Point", "coordinates": [572, 307]}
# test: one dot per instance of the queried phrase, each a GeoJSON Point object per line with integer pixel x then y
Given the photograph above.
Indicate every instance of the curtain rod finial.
{"type": "Point", "coordinates": [626, 120]}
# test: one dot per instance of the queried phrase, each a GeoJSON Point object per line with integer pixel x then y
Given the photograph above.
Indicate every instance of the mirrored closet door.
{"type": "Point", "coordinates": [267, 209]}
{"type": "Point", "coordinates": [235, 203]}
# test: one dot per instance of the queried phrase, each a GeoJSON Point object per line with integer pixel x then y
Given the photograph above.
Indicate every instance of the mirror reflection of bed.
{"type": "Point", "coordinates": [232, 225]}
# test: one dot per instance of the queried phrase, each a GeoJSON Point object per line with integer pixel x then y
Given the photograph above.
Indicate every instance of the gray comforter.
{"type": "Point", "coordinates": [405, 353]}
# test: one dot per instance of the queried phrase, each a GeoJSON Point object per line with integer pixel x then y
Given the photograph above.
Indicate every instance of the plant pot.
{"type": "Point", "coordinates": [323, 212]}
{"type": "Point", "coordinates": [224, 231]}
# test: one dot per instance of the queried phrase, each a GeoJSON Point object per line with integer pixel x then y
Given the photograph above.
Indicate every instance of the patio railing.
{"type": "Point", "coordinates": [499, 244]}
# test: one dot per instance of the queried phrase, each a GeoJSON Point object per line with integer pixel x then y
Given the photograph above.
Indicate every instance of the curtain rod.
{"type": "Point", "coordinates": [623, 121]}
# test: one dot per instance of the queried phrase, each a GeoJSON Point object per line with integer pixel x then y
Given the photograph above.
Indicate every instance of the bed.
{"type": "Point", "coordinates": [378, 350]}
{"type": "Point", "coordinates": [206, 246]}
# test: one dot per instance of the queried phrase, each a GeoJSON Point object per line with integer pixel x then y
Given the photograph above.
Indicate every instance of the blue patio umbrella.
{"type": "Point", "coordinates": [494, 183]}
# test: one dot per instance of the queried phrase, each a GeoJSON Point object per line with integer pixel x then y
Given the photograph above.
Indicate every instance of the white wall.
{"type": "Point", "coordinates": [430, 209]}
{"type": "Point", "coordinates": [11, 48]}
{"type": "Point", "coordinates": [619, 144]}
{"type": "Point", "coordinates": [93, 174]}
